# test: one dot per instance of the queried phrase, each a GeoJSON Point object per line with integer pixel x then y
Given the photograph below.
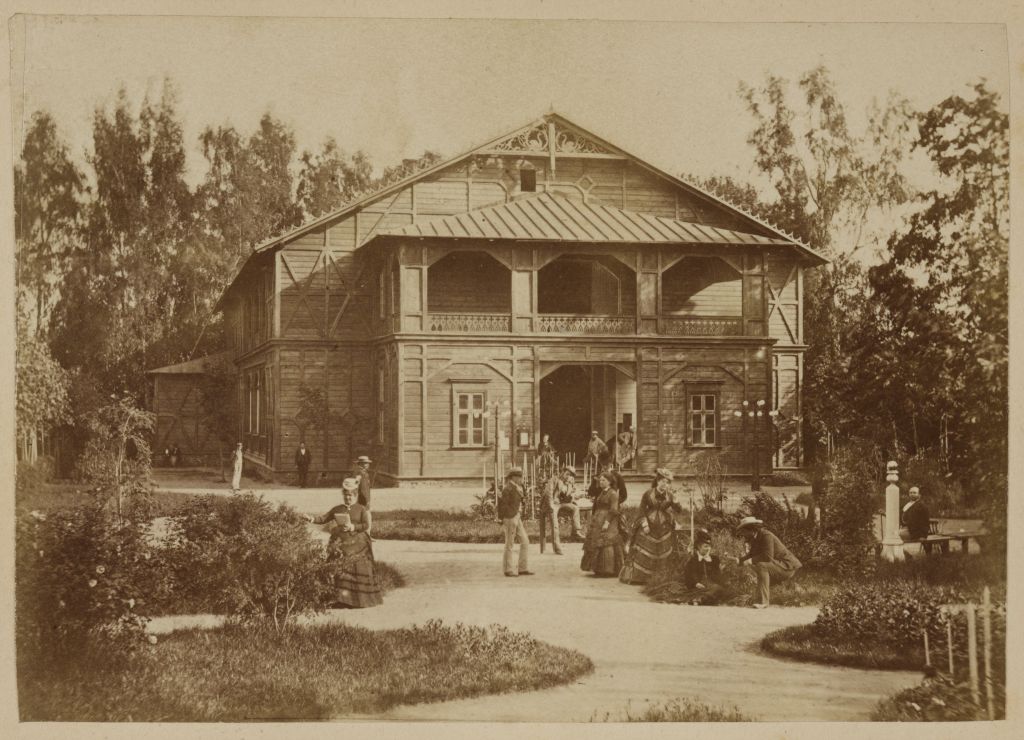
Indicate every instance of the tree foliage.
{"type": "Point", "coordinates": [48, 188]}
{"type": "Point", "coordinates": [945, 284]}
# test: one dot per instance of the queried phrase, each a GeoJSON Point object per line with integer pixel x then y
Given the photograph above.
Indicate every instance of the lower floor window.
{"type": "Point", "coordinates": [703, 419]}
{"type": "Point", "coordinates": [469, 419]}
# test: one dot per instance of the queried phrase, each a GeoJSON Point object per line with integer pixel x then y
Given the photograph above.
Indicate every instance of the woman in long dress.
{"type": "Point", "coordinates": [654, 531]}
{"type": "Point", "coordinates": [602, 549]}
{"type": "Point", "coordinates": [236, 475]}
{"type": "Point", "coordinates": [355, 583]}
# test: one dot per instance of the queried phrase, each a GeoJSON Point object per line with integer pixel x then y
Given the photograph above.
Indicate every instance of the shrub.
{"type": "Point", "coordinates": [31, 477]}
{"type": "Point", "coordinates": [786, 478]}
{"type": "Point", "coordinates": [679, 710]}
{"type": "Point", "coordinates": [938, 699]}
{"type": "Point", "coordinates": [82, 577]}
{"type": "Point", "coordinates": [848, 508]}
{"type": "Point", "coordinates": [897, 612]}
{"type": "Point", "coordinates": [241, 557]}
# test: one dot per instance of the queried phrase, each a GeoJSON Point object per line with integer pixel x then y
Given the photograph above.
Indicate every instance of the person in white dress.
{"type": "Point", "coordinates": [236, 477]}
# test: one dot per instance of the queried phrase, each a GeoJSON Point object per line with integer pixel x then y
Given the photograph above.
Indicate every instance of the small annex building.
{"type": "Point", "coordinates": [545, 282]}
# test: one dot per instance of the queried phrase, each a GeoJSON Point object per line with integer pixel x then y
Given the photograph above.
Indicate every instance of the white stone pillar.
{"type": "Point", "coordinates": [892, 543]}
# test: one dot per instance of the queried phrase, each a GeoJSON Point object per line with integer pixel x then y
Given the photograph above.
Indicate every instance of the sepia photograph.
{"type": "Point", "coordinates": [496, 369]}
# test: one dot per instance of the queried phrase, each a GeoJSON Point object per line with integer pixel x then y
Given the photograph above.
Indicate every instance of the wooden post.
{"type": "Point", "coordinates": [986, 616]}
{"type": "Point", "coordinates": [927, 652]}
{"type": "Point", "coordinates": [949, 642]}
{"type": "Point", "coordinates": [972, 652]}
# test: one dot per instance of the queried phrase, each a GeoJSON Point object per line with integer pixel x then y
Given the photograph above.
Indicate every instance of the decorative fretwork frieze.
{"type": "Point", "coordinates": [703, 327]}
{"type": "Point", "coordinates": [469, 322]}
{"type": "Point", "coordinates": [536, 140]}
{"type": "Point", "coordinates": [586, 324]}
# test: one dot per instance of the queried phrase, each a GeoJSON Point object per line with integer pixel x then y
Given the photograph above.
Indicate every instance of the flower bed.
{"type": "Point", "coordinates": [305, 673]}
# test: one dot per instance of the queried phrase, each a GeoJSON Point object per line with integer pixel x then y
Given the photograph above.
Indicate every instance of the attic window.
{"type": "Point", "coordinates": [527, 180]}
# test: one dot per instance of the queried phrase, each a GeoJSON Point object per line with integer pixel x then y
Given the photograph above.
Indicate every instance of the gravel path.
{"type": "Point", "coordinates": [642, 651]}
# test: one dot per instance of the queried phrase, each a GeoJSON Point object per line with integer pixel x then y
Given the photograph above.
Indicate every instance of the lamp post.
{"type": "Point", "coordinates": [754, 412]}
{"type": "Point", "coordinates": [892, 543]}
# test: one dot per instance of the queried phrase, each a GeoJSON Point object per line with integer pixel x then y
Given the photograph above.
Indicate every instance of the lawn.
{"type": "Point", "coordinates": [455, 526]}
{"type": "Point", "coordinates": [234, 673]}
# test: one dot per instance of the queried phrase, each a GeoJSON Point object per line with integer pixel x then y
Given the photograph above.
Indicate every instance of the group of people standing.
{"type": "Point", "coordinates": [634, 552]}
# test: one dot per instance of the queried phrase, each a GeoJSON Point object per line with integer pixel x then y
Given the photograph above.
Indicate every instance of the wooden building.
{"type": "Point", "coordinates": [177, 400]}
{"type": "Point", "coordinates": [546, 282]}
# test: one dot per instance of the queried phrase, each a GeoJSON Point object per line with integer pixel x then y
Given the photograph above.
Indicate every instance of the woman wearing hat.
{"type": "Point", "coordinates": [654, 531]}
{"type": "Point", "coordinates": [770, 558]}
{"type": "Point", "coordinates": [602, 549]}
{"type": "Point", "coordinates": [355, 584]}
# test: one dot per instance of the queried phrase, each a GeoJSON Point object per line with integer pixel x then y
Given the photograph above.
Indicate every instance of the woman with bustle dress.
{"type": "Point", "coordinates": [355, 583]}
{"type": "Point", "coordinates": [654, 531]}
{"type": "Point", "coordinates": [603, 553]}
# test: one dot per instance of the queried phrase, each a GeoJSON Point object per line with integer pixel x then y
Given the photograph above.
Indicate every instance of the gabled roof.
{"type": "Point", "coordinates": [560, 218]}
{"type": "Point", "coordinates": [521, 134]}
{"type": "Point", "coordinates": [197, 366]}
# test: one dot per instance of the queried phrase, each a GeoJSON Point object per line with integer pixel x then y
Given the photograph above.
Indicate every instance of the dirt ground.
{"type": "Point", "coordinates": [643, 651]}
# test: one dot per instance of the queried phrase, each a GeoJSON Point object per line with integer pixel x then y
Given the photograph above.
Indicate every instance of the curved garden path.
{"type": "Point", "coordinates": [642, 651]}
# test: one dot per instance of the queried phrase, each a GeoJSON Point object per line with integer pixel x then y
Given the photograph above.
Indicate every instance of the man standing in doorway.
{"type": "Point", "coordinates": [510, 513]}
{"type": "Point", "coordinates": [363, 476]}
{"type": "Point", "coordinates": [597, 452]}
{"type": "Point", "coordinates": [302, 458]}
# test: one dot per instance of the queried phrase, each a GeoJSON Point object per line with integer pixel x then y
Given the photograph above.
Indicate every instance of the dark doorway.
{"type": "Point", "coordinates": [565, 402]}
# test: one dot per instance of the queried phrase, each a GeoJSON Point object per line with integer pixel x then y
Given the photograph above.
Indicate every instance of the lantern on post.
{"type": "Point", "coordinates": [892, 543]}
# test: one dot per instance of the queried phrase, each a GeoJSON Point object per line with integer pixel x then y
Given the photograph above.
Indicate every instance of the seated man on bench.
{"type": "Point", "coordinates": [916, 521]}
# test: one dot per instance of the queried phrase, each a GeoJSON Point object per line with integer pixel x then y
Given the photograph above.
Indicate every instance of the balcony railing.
{"type": "Point", "coordinates": [582, 324]}
{"type": "Point", "coordinates": [708, 327]}
{"type": "Point", "coordinates": [470, 322]}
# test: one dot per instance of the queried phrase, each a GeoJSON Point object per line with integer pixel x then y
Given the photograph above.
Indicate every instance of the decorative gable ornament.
{"type": "Point", "coordinates": [536, 140]}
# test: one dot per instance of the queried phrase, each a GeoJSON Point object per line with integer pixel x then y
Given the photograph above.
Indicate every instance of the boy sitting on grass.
{"type": "Point", "coordinates": [702, 574]}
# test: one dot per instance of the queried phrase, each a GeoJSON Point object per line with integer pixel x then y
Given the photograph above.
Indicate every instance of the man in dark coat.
{"type": "Point", "coordinates": [363, 476]}
{"type": "Point", "coordinates": [302, 459]}
{"type": "Point", "coordinates": [510, 513]}
{"type": "Point", "coordinates": [770, 558]}
{"type": "Point", "coordinates": [915, 519]}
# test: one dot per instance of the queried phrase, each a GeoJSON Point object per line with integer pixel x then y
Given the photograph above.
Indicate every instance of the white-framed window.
{"type": "Point", "coordinates": [469, 428]}
{"type": "Point", "coordinates": [703, 412]}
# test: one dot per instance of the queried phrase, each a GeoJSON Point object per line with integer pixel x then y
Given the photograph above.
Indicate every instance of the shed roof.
{"type": "Point", "coordinates": [191, 367]}
{"type": "Point", "coordinates": [560, 218]}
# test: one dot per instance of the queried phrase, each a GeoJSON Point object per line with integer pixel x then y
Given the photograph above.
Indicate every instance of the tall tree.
{"type": "Point", "coordinates": [330, 178]}
{"type": "Point", "coordinates": [827, 183]}
{"type": "Point", "coordinates": [48, 187]}
{"type": "Point", "coordinates": [248, 194]}
{"type": "Point", "coordinates": [946, 282]}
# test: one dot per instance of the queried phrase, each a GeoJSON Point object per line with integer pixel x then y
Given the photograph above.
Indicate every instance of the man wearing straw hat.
{"type": "Point", "coordinates": [509, 511]}
{"type": "Point", "coordinates": [770, 558]}
{"type": "Point", "coordinates": [363, 476]}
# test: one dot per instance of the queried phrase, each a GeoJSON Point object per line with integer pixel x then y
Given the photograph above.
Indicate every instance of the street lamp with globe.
{"type": "Point", "coordinates": [753, 412]}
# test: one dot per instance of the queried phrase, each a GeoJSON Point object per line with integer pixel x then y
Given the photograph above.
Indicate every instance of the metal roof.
{"type": "Point", "coordinates": [559, 218]}
{"type": "Point", "coordinates": [198, 366]}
